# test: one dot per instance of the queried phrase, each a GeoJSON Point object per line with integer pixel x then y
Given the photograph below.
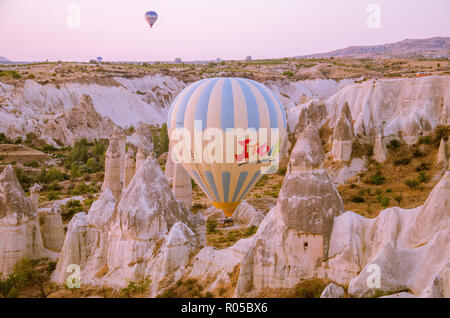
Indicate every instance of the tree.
{"type": "Point", "coordinates": [156, 144]}
{"type": "Point", "coordinates": [163, 139]}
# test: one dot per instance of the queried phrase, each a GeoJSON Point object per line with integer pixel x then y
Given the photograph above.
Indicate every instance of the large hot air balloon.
{"type": "Point", "coordinates": [227, 133]}
{"type": "Point", "coordinates": [151, 17]}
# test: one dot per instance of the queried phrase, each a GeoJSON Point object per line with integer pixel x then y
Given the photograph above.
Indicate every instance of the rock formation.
{"type": "Point", "coordinates": [20, 235]}
{"type": "Point", "coordinates": [314, 111]}
{"type": "Point", "coordinates": [333, 291]}
{"type": "Point", "coordinates": [112, 168]}
{"type": "Point", "coordinates": [129, 168]}
{"type": "Point", "coordinates": [141, 156]}
{"type": "Point", "coordinates": [442, 153]}
{"type": "Point", "coordinates": [170, 167]}
{"type": "Point", "coordinates": [343, 136]}
{"type": "Point", "coordinates": [294, 237]}
{"type": "Point", "coordinates": [408, 248]}
{"type": "Point", "coordinates": [139, 237]}
{"type": "Point", "coordinates": [121, 138]}
{"type": "Point", "coordinates": [182, 185]}
{"type": "Point", "coordinates": [34, 191]}
{"type": "Point", "coordinates": [246, 215]}
{"type": "Point", "coordinates": [81, 121]}
{"type": "Point", "coordinates": [408, 106]}
{"type": "Point", "coordinates": [379, 148]}
{"type": "Point", "coordinates": [52, 230]}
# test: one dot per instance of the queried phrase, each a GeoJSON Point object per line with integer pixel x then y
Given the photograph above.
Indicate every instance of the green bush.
{"type": "Point", "coordinates": [424, 140]}
{"type": "Point", "coordinates": [423, 167]}
{"type": "Point", "coordinates": [83, 188]}
{"type": "Point", "coordinates": [71, 208]}
{"type": "Point", "coordinates": [384, 201]}
{"type": "Point", "coordinates": [412, 183]}
{"type": "Point", "coordinates": [211, 225]}
{"type": "Point", "coordinates": [4, 139]}
{"type": "Point", "coordinates": [288, 73]}
{"type": "Point", "coordinates": [402, 161]}
{"type": "Point", "coordinates": [251, 230]}
{"type": "Point", "coordinates": [377, 178]}
{"type": "Point", "coordinates": [398, 198]}
{"type": "Point", "coordinates": [25, 273]}
{"type": "Point", "coordinates": [357, 199]}
{"type": "Point", "coordinates": [24, 178]}
{"type": "Point", "coordinates": [52, 175]}
{"type": "Point", "coordinates": [422, 177]}
{"type": "Point", "coordinates": [393, 144]}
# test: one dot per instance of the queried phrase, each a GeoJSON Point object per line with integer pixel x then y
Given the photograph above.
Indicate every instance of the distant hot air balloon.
{"type": "Point", "coordinates": [151, 17]}
{"type": "Point", "coordinates": [211, 115]}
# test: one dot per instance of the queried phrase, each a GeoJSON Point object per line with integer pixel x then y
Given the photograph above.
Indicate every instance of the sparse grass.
{"type": "Point", "coordinates": [189, 288]}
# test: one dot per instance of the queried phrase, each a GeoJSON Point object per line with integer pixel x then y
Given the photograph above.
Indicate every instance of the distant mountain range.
{"type": "Point", "coordinates": [4, 59]}
{"type": "Point", "coordinates": [435, 47]}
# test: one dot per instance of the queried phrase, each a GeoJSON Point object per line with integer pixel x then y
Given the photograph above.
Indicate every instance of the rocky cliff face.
{"type": "Point", "coordinates": [407, 249]}
{"type": "Point", "coordinates": [148, 234]}
{"type": "Point", "coordinates": [64, 112]}
{"type": "Point", "coordinates": [410, 106]}
{"type": "Point", "coordinates": [20, 235]}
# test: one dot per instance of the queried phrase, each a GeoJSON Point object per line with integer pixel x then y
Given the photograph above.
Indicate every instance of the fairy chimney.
{"type": "Point", "coordinates": [343, 136]}
{"type": "Point", "coordinates": [112, 168]}
{"type": "Point", "coordinates": [129, 168]}
{"type": "Point", "coordinates": [181, 185]}
{"type": "Point", "coordinates": [379, 148]}
{"type": "Point", "coordinates": [442, 153]}
{"type": "Point", "coordinates": [34, 191]}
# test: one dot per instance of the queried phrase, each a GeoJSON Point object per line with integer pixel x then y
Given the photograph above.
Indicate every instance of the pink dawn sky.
{"type": "Point", "coordinates": [208, 29]}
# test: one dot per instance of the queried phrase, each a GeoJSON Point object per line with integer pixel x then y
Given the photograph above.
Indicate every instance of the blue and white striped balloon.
{"type": "Point", "coordinates": [215, 105]}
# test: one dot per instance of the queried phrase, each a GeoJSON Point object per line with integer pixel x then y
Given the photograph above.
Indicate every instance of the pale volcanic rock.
{"type": "Point", "coordinates": [182, 185]}
{"type": "Point", "coordinates": [140, 236]}
{"type": "Point", "coordinates": [213, 213]}
{"type": "Point", "coordinates": [307, 153]}
{"type": "Point", "coordinates": [246, 215]}
{"type": "Point", "coordinates": [408, 106]}
{"type": "Point", "coordinates": [294, 237]}
{"type": "Point", "coordinates": [169, 261]}
{"type": "Point", "coordinates": [299, 117]}
{"type": "Point", "coordinates": [34, 192]}
{"type": "Point", "coordinates": [20, 235]}
{"type": "Point", "coordinates": [80, 121]}
{"type": "Point", "coordinates": [212, 267]}
{"type": "Point", "coordinates": [442, 153]}
{"type": "Point", "coordinates": [52, 230]}
{"type": "Point", "coordinates": [46, 109]}
{"type": "Point", "coordinates": [379, 149]}
{"type": "Point", "coordinates": [112, 168]}
{"type": "Point", "coordinates": [129, 168]}
{"type": "Point", "coordinates": [407, 247]}
{"type": "Point", "coordinates": [333, 291]}
{"type": "Point", "coordinates": [343, 136]}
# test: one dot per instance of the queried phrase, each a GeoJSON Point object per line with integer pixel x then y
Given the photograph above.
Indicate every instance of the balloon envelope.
{"type": "Point", "coordinates": [226, 132]}
{"type": "Point", "coordinates": [151, 17]}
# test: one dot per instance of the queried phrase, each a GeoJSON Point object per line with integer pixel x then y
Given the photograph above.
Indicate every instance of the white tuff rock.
{"type": "Point", "coordinates": [20, 235]}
